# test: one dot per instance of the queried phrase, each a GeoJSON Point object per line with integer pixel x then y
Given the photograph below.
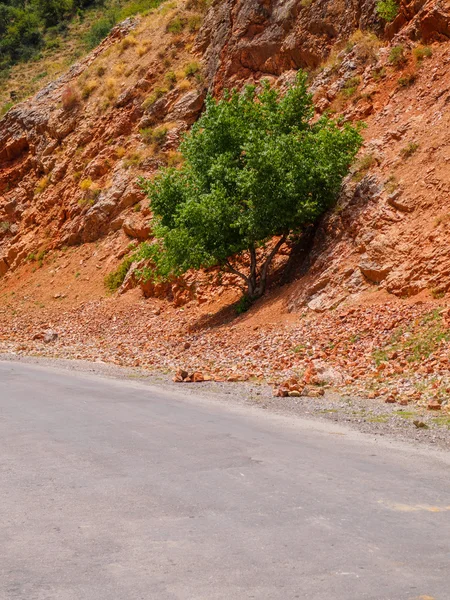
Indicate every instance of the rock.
{"type": "Point", "coordinates": [326, 374]}
{"type": "Point", "coordinates": [434, 405]}
{"type": "Point", "coordinates": [374, 272]}
{"type": "Point", "coordinates": [49, 336]}
{"type": "Point", "coordinates": [420, 424]}
{"type": "Point", "coordinates": [294, 394]}
{"type": "Point", "coordinates": [137, 228]}
{"type": "Point", "coordinates": [188, 107]}
{"type": "Point", "coordinates": [197, 377]}
{"type": "Point", "coordinates": [180, 376]}
{"type": "Point", "coordinates": [313, 392]}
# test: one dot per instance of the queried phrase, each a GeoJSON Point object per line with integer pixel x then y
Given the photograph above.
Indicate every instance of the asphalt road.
{"type": "Point", "coordinates": [114, 490]}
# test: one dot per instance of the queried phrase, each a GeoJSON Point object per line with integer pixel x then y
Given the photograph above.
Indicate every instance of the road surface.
{"type": "Point", "coordinates": [114, 490]}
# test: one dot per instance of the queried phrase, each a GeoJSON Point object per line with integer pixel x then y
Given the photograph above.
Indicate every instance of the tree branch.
{"type": "Point", "coordinates": [235, 271]}
{"type": "Point", "coordinates": [272, 255]}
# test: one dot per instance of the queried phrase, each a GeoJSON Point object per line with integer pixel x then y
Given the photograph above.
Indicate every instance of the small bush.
{"type": "Point", "coordinates": [127, 42]}
{"type": "Point", "coordinates": [154, 96]}
{"type": "Point", "coordinates": [422, 52]}
{"type": "Point", "coordinates": [155, 137]}
{"type": "Point", "coordinates": [5, 226]}
{"type": "Point", "coordinates": [99, 31]}
{"type": "Point", "coordinates": [101, 70]}
{"type": "Point", "coordinates": [70, 98]}
{"type": "Point", "coordinates": [243, 305]}
{"type": "Point", "coordinates": [42, 185]}
{"type": "Point", "coordinates": [88, 88]}
{"type": "Point", "coordinates": [350, 86]}
{"type": "Point", "coordinates": [194, 23]}
{"type": "Point", "coordinates": [363, 165]}
{"type": "Point", "coordinates": [86, 184]}
{"type": "Point", "coordinates": [171, 79]}
{"type": "Point", "coordinates": [114, 280]}
{"type": "Point", "coordinates": [407, 80]}
{"type": "Point", "coordinates": [387, 9]}
{"type": "Point", "coordinates": [378, 74]}
{"type": "Point", "coordinates": [397, 56]}
{"type": "Point", "coordinates": [192, 69]}
{"type": "Point", "coordinates": [134, 159]}
{"type": "Point", "coordinates": [365, 44]}
{"type": "Point", "coordinates": [409, 149]}
{"type": "Point", "coordinates": [176, 25]}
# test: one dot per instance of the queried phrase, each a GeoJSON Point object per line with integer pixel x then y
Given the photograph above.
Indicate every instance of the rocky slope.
{"type": "Point", "coordinates": [70, 206]}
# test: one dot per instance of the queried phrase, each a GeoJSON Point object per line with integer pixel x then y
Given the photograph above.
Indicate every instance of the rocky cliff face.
{"type": "Point", "coordinates": [70, 156]}
{"type": "Point", "coordinates": [250, 39]}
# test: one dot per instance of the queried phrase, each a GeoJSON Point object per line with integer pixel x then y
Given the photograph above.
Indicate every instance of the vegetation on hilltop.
{"type": "Point", "coordinates": [30, 27]}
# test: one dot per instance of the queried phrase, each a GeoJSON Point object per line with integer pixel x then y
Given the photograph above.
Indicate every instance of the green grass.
{"type": "Point", "coordinates": [417, 342]}
{"type": "Point", "coordinates": [441, 421]}
{"type": "Point", "coordinates": [406, 414]}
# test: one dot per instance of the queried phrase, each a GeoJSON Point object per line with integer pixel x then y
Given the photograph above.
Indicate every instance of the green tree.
{"type": "Point", "coordinates": [256, 167]}
{"type": "Point", "coordinates": [387, 9]}
{"type": "Point", "coordinates": [52, 12]}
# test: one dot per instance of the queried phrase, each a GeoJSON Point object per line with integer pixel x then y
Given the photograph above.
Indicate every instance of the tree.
{"type": "Point", "coordinates": [256, 167]}
{"type": "Point", "coordinates": [387, 9]}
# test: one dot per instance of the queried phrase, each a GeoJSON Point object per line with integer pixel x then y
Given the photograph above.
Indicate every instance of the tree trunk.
{"type": "Point", "coordinates": [257, 282]}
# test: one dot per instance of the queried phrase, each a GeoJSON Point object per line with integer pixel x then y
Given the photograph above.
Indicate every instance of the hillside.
{"type": "Point", "coordinates": [366, 300]}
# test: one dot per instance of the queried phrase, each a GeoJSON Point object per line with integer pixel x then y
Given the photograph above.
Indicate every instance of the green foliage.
{"type": "Point", "coordinates": [254, 167]}
{"type": "Point", "coordinates": [99, 30]}
{"type": "Point", "coordinates": [422, 52]}
{"type": "Point", "coordinates": [387, 9]}
{"type": "Point", "coordinates": [397, 56]}
{"type": "Point", "coordinates": [114, 280]}
{"type": "Point", "coordinates": [417, 342]}
{"type": "Point", "coordinates": [29, 26]}
{"type": "Point", "coordinates": [409, 149]}
{"type": "Point", "coordinates": [407, 80]}
{"type": "Point", "coordinates": [243, 305]}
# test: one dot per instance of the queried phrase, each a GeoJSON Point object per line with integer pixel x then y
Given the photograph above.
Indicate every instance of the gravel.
{"type": "Point", "coordinates": [373, 417]}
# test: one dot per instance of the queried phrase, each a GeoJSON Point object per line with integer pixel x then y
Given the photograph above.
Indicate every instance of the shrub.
{"type": "Point", "coordinates": [409, 149]}
{"type": "Point", "coordinates": [176, 25]}
{"type": "Point", "coordinates": [101, 70]}
{"type": "Point", "coordinates": [154, 96]}
{"type": "Point", "coordinates": [192, 69]}
{"type": "Point", "coordinates": [364, 164]}
{"type": "Point", "coordinates": [99, 31]}
{"type": "Point", "coordinates": [42, 184]}
{"type": "Point", "coordinates": [422, 52]}
{"type": "Point", "coordinates": [366, 45]}
{"type": "Point", "coordinates": [114, 280]}
{"type": "Point", "coordinates": [90, 86]}
{"type": "Point", "coordinates": [407, 80]}
{"type": "Point", "coordinates": [171, 79]}
{"type": "Point", "coordinates": [86, 184]}
{"type": "Point", "coordinates": [155, 136]}
{"type": "Point", "coordinates": [350, 86]}
{"type": "Point", "coordinates": [5, 226]}
{"type": "Point", "coordinates": [194, 23]}
{"type": "Point", "coordinates": [127, 42]}
{"type": "Point", "coordinates": [387, 9]}
{"type": "Point", "coordinates": [4, 109]}
{"type": "Point", "coordinates": [70, 98]}
{"type": "Point", "coordinates": [397, 56]}
{"type": "Point", "coordinates": [255, 166]}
